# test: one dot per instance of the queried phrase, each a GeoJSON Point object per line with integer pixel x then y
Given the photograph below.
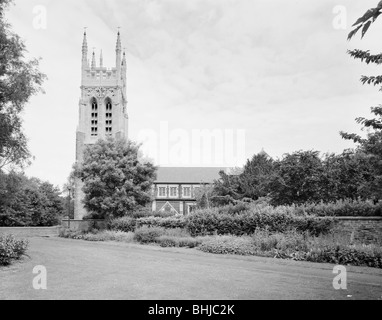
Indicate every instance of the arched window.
{"type": "Point", "coordinates": [94, 117]}
{"type": "Point", "coordinates": [109, 117]}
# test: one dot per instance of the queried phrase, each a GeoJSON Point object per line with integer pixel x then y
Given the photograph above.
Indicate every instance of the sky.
{"type": "Point", "coordinates": [276, 70]}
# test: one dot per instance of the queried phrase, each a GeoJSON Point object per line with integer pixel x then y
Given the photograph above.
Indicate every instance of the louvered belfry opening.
{"type": "Point", "coordinates": [109, 117]}
{"type": "Point", "coordinates": [94, 117]}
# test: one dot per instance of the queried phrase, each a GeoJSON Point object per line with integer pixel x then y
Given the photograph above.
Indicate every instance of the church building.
{"type": "Point", "coordinates": [175, 188]}
{"type": "Point", "coordinates": [103, 113]}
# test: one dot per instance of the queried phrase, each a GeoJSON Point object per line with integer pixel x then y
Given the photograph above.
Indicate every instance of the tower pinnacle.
{"type": "Point", "coordinates": [84, 50]}
{"type": "Point", "coordinates": [119, 45]}
{"type": "Point", "coordinates": [93, 60]}
{"type": "Point", "coordinates": [118, 51]}
{"type": "Point", "coordinates": [124, 58]}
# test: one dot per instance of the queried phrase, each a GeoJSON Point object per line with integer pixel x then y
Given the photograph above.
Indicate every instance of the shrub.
{"type": "Point", "coordinates": [125, 224]}
{"type": "Point", "coordinates": [70, 234]}
{"type": "Point", "coordinates": [140, 212]}
{"type": "Point", "coordinates": [234, 208]}
{"type": "Point", "coordinates": [288, 241]}
{"type": "Point", "coordinates": [331, 248]}
{"type": "Point", "coordinates": [167, 241]}
{"type": "Point", "coordinates": [189, 242]}
{"type": "Point", "coordinates": [341, 208]}
{"type": "Point", "coordinates": [177, 233]}
{"type": "Point", "coordinates": [356, 255]}
{"type": "Point", "coordinates": [163, 214]}
{"type": "Point", "coordinates": [11, 249]}
{"type": "Point", "coordinates": [109, 236]}
{"type": "Point", "coordinates": [174, 241]}
{"type": "Point", "coordinates": [168, 223]}
{"type": "Point", "coordinates": [228, 245]}
{"type": "Point", "coordinates": [147, 234]}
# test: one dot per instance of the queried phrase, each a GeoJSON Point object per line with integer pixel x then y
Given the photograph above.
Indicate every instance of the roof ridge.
{"type": "Point", "coordinates": [188, 174]}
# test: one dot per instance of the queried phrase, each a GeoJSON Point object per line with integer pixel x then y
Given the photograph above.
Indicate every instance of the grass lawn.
{"type": "Point", "coordinates": [110, 270]}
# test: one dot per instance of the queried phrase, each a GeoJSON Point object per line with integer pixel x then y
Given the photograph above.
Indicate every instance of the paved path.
{"type": "Point", "coordinates": [86, 270]}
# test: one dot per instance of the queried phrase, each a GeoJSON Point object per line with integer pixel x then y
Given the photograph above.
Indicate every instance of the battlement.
{"type": "Point", "coordinates": [99, 76]}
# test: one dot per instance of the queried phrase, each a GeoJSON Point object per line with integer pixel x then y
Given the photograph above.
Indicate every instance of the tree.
{"type": "Point", "coordinates": [115, 181]}
{"type": "Point", "coordinates": [300, 177]}
{"type": "Point", "coordinates": [297, 179]}
{"type": "Point", "coordinates": [203, 195]}
{"type": "Point", "coordinates": [346, 176]}
{"type": "Point", "coordinates": [256, 176]}
{"type": "Point", "coordinates": [19, 80]}
{"type": "Point", "coordinates": [371, 146]}
{"type": "Point", "coordinates": [227, 189]}
{"type": "Point", "coordinates": [10, 184]}
{"type": "Point", "coordinates": [366, 20]}
{"type": "Point", "coordinates": [28, 201]}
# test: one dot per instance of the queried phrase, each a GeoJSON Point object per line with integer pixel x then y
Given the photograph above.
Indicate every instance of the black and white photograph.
{"type": "Point", "coordinates": [192, 156]}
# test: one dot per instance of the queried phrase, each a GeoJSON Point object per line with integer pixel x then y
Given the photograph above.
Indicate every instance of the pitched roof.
{"type": "Point", "coordinates": [187, 174]}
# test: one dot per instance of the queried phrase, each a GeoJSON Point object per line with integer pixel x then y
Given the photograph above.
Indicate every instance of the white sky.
{"type": "Point", "coordinates": [276, 69]}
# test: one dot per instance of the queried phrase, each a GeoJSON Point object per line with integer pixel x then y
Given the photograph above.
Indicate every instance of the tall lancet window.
{"type": "Point", "coordinates": [94, 117]}
{"type": "Point", "coordinates": [109, 117]}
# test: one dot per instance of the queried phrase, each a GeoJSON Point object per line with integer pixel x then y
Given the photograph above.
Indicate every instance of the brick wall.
{"type": "Point", "coordinates": [365, 229]}
{"type": "Point", "coordinates": [30, 232]}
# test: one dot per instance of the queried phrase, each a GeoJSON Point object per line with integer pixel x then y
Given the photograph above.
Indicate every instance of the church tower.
{"type": "Point", "coordinates": [102, 107]}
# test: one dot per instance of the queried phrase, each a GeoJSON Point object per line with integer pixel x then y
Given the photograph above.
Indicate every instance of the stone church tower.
{"type": "Point", "coordinates": [102, 108]}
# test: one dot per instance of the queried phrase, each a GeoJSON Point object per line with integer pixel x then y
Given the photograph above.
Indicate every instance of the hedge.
{"type": "Point", "coordinates": [279, 219]}
{"type": "Point", "coordinates": [342, 208]}
{"type": "Point", "coordinates": [125, 224]}
{"type": "Point", "coordinates": [168, 223]}
{"type": "Point", "coordinates": [215, 221]}
{"type": "Point", "coordinates": [245, 218]}
{"type": "Point", "coordinates": [339, 208]}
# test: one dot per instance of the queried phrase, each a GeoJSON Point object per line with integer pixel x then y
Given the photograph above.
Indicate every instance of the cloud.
{"type": "Point", "coordinates": [277, 69]}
